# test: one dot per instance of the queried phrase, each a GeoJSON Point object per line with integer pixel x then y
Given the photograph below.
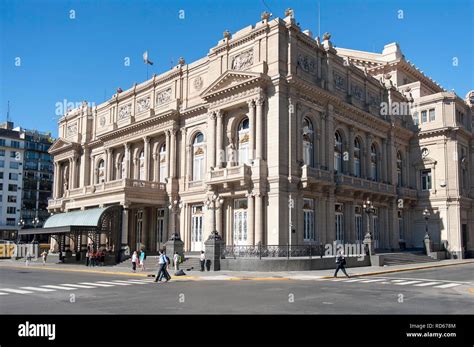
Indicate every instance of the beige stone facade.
{"type": "Point", "coordinates": [271, 113]}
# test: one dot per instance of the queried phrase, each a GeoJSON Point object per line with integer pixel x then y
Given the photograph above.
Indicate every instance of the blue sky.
{"type": "Point", "coordinates": [83, 58]}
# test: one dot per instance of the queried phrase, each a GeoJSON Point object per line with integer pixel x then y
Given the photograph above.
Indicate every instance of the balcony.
{"type": "Point", "coordinates": [345, 182]}
{"type": "Point", "coordinates": [240, 174]}
{"type": "Point", "coordinates": [120, 190]}
{"type": "Point", "coordinates": [407, 193]}
{"type": "Point", "coordinates": [311, 175]}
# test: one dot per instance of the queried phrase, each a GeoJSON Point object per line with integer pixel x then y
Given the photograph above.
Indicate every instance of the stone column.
{"type": "Point", "coordinates": [146, 153]}
{"type": "Point", "coordinates": [384, 160]}
{"type": "Point", "coordinates": [56, 175]}
{"type": "Point", "coordinates": [258, 218]}
{"type": "Point", "coordinates": [351, 151]}
{"type": "Point", "coordinates": [70, 174]}
{"type": "Point", "coordinates": [168, 134]}
{"type": "Point", "coordinates": [173, 158]}
{"type": "Point", "coordinates": [367, 158]}
{"type": "Point", "coordinates": [250, 220]}
{"type": "Point", "coordinates": [251, 105]}
{"type": "Point", "coordinates": [189, 164]}
{"type": "Point", "coordinates": [182, 154]}
{"type": "Point", "coordinates": [259, 103]}
{"type": "Point", "coordinates": [125, 216]}
{"type": "Point", "coordinates": [322, 143]}
{"type": "Point", "coordinates": [219, 139]}
{"type": "Point", "coordinates": [211, 144]}
{"type": "Point", "coordinates": [219, 220]}
{"type": "Point", "coordinates": [127, 160]}
{"type": "Point", "coordinates": [156, 159]}
{"type": "Point", "coordinates": [109, 163]}
{"type": "Point", "coordinates": [330, 137]}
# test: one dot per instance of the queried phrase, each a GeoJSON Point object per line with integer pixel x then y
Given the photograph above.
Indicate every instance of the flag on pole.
{"type": "Point", "coordinates": [145, 58]}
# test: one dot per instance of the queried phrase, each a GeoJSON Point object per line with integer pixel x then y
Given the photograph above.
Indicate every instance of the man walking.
{"type": "Point", "coordinates": [340, 261]}
{"type": "Point", "coordinates": [162, 263]}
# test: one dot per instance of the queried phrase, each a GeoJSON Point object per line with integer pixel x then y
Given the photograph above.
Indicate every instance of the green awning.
{"type": "Point", "coordinates": [67, 221]}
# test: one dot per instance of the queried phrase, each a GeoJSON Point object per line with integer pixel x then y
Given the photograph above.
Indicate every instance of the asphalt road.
{"type": "Point", "coordinates": [448, 290]}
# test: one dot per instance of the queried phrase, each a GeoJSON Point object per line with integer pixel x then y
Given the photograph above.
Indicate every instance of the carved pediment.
{"type": "Point", "coordinates": [230, 81]}
{"type": "Point", "coordinates": [61, 145]}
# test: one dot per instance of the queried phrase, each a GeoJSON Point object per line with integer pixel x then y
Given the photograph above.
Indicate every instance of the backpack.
{"type": "Point", "coordinates": [167, 260]}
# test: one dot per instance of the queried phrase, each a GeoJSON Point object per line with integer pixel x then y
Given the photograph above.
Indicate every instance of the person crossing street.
{"type": "Point", "coordinates": [341, 261]}
{"type": "Point", "coordinates": [163, 264]}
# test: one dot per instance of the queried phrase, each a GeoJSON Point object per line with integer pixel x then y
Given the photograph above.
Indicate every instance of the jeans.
{"type": "Point", "coordinates": [340, 267]}
{"type": "Point", "coordinates": [202, 264]}
{"type": "Point", "coordinates": [162, 272]}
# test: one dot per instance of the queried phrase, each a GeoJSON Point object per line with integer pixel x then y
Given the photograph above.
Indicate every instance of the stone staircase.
{"type": "Point", "coordinates": [402, 258]}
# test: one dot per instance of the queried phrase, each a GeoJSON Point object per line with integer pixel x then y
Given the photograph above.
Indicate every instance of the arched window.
{"type": "Point", "coordinates": [141, 165]}
{"type": "Point", "coordinates": [308, 142]}
{"type": "Point", "coordinates": [399, 169]}
{"type": "Point", "coordinates": [243, 136]}
{"type": "Point", "coordinates": [101, 171]}
{"type": "Point", "coordinates": [198, 157]}
{"type": "Point", "coordinates": [337, 152]}
{"type": "Point", "coordinates": [163, 164]}
{"type": "Point", "coordinates": [373, 162]}
{"type": "Point", "coordinates": [357, 157]}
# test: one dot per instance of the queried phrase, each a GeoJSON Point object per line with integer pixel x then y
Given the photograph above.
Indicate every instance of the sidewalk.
{"type": "Point", "coordinates": [234, 275]}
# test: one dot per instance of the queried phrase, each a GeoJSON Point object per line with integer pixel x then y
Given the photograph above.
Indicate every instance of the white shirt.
{"type": "Point", "coordinates": [162, 259]}
{"type": "Point", "coordinates": [134, 258]}
{"type": "Point", "coordinates": [176, 258]}
{"type": "Point", "coordinates": [203, 256]}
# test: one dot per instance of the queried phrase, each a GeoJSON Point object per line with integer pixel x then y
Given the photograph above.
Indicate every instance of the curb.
{"type": "Point", "coordinates": [405, 269]}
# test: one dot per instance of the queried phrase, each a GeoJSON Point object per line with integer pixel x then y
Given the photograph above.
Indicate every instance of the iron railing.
{"type": "Point", "coordinates": [274, 251]}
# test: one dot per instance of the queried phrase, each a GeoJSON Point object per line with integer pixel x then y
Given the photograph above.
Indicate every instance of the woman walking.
{"type": "Point", "coordinates": [142, 260]}
{"type": "Point", "coordinates": [134, 261]}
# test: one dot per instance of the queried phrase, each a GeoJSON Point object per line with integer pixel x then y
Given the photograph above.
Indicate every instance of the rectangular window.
{"type": "Point", "coordinates": [14, 165]}
{"type": "Point", "coordinates": [11, 221]}
{"type": "Point", "coordinates": [198, 168]}
{"type": "Point", "coordinates": [13, 176]}
{"type": "Point", "coordinates": [13, 154]}
{"type": "Point", "coordinates": [308, 220]}
{"type": "Point", "coordinates": [15, 144]}
{"type": "Point", "coordinates": [2, 163]}
{"type": "Point", "coordinates": [12, 188]}
{"type": "Point", "coordinates": [425, 180]}
{"type": "Point", "coordinates": [3, 142]}
{"type": "Point", "coordinates": [416, 120]}
{"type": "Point", "coordinates": [12, 198]}
{"type": "Point", "coordinates": [11, 210]}
{"type": "Point", "coordinates": [1, 175]}
{"type": "Point", "coordinates": [2, 152]}
{"type": "Point", "coordinates": [432, 114]}
{"type": "Point", "coordinates": [423, 117]}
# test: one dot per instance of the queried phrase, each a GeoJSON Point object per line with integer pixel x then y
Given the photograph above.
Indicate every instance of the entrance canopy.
{"type": "Point", "coordinates": [69, 222]}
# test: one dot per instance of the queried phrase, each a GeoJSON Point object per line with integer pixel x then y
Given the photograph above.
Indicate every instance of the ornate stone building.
{"type": "Point", "coordinates": [272, 114]}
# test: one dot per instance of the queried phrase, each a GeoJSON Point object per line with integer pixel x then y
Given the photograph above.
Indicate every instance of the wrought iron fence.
{"type": "Point", "coordinates": [273, 251]}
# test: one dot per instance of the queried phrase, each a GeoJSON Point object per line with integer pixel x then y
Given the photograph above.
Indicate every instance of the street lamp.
{"type": "Point", "coordinates": [35, 222]}
{"type": "Point", "coordinates": [426, 215]}
{"type": "Point", "coordinates": [214, 203]}
{"type": "Point", "coordinates": [369, 209]}
{"type": "Point", "coordinates": [175, 207]}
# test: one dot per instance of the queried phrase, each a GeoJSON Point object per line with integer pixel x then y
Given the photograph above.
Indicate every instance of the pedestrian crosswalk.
{"type": "Point", "coordinates": [440, 284]}
{"type": "Point", "coordinates": [47, 288]}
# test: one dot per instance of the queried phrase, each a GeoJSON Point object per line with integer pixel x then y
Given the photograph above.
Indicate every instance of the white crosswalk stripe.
{"type": "Point", "coordinates": [16, 291]}
{"type": "Point", "coordinates": [425, 284]}
{"type": "Point", "coordinates": [370, 281]}
{"type": "Point", "coordinates": [3, 293]}
{"type": "Point", "coordinates": [96, 284]}
{"type": "Point", "coordinates": [138, 282]}
{"type": "Point", "coordinates": [38, 289]}
{"type": "Point", "coordinates": [406, 283]}
{"type": "Point", "coordinates": [58, 287]}
{"type": "Point", "coordinates": [77, 286]}
{"type": "Point", "coordinates": [115, 283]}
{"type": "Point", "coordinates": [449, 285]}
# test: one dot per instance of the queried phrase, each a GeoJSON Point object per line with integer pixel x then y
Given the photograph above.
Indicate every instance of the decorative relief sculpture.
{"type": "Point", "coordinates": [358, 92]}
{"type": "Point", "coordinates": [143, 104]}
{"type": "Point", "coordinates": [197, 83]}
{"type": "Point", "coordinates": [163, 97]}
{"type": "Point", "coordinates": [243, 60]}
{"type": "Point", "coordinates": [308, 64]}
{"type": "Point", "coordinates": [339, 82]}
{"type": "Point", "coordinates": [124, 111]}
{"type": "Point", "coordinates": [102, 121]}
{"type": "Point", "coordinates": [71, 130]}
